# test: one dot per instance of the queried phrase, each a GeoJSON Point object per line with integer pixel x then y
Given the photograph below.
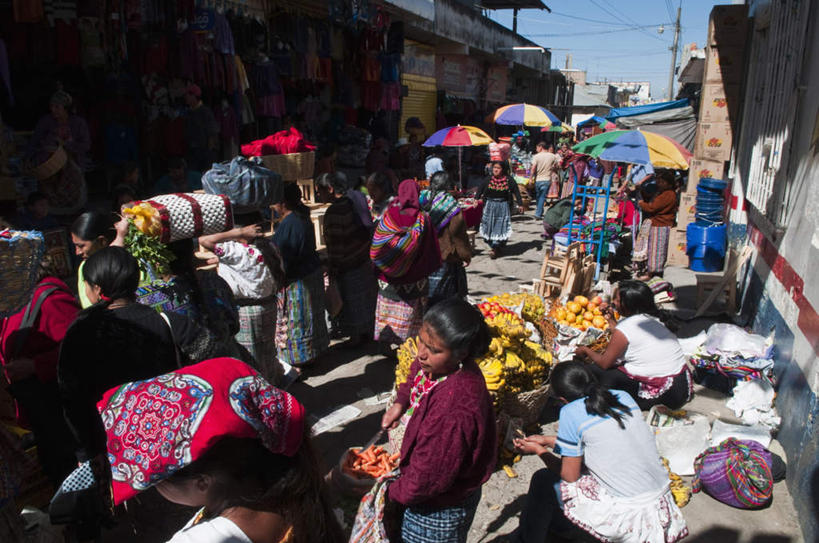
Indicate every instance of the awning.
{"type": "Point", "coordinates": [647, 108]}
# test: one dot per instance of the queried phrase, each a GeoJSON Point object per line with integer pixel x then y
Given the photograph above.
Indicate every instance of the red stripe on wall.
{"type": "Point", "coordinates": [808, 320]}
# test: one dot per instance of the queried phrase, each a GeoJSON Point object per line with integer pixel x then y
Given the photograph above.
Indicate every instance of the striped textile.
{"type": "Point", "coordinates": [658, 248]}
{"type": "Point", "coordinates": [399, 311]}
{"type": "Point", "coordinates": [439, 525]}
{"type": "Point", "coordinates": [359, 291]}
{"type": "Point", "coordinates": [394, 249]}
{"type": "Point", "coordinates": [257, 334]}
{"type": "Point", "coordinates": [301, 330]}
{"type": "Point", "coordinates": [441, 208]}
{"type": "Point", "coordinates": [736, 472]}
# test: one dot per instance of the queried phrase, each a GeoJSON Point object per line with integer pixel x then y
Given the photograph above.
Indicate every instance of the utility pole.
{"type": "Point", "coordinates": [674, 54]}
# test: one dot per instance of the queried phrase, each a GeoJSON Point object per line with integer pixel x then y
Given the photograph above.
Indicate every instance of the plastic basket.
{"type": "Point", "coordinates": [20, 255]}
{"type": "Point", "coordinates": [292, 166]}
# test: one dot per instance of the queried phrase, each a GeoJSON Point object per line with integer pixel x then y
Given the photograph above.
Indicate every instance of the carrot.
{"type": "Point", "coordinates": [395, 457]}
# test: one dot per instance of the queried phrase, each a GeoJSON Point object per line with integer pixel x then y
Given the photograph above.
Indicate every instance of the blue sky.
{"type": "Point", "coordinates": [605, 46]}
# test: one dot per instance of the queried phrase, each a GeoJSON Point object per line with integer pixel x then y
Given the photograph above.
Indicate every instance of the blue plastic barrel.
{"type": "Point", "coordinates": [705, 247]}
{"type": "Point", "coordinates": [717, 185]}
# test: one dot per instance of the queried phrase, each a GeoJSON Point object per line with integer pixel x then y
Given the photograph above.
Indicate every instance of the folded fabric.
{"type": "Point", "coordinates": [281, 143]}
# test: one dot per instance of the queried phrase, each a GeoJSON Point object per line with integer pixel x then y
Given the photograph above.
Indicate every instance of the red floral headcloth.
{"type": "Point", "coordinates": [158, 426]}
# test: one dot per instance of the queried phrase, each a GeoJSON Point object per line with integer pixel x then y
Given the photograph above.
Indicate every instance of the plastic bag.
{"type": "Point", "coordinates": [248, 185]}
{"type": "Point", "coordinates": [730, 339]}
{"type": "Point", "coordinates": [753, 402]}
{"type": "Point", "coordinates": [682, 444]}
{"type": "Point", "coordinates": [723, 430]}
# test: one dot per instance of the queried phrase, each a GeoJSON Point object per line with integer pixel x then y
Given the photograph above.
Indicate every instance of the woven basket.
{"type": "Point", "coordinates": [526, 405]}
{"type": "Point", "coordinates": [52, 166]}
{"type": "Point", "coordinates": [189, 215]}
{"type": "Point", "coordinates": [20, 256]}
{"type": "Point", "coordinates": [292, 166]}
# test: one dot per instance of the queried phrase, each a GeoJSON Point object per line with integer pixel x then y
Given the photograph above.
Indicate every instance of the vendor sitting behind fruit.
{"type": "Point", "coordinates": [450, 444]}
{"type": "Point", "coordinates": [643, 357]}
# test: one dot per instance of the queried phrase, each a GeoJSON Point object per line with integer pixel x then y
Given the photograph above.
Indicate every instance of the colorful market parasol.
{"type": "Point", "coordinates": [459, 136]}
{"type": "Point", "coordinates": [636, 147]}
{"type": "Point", "coordinates": [561, 128]}
{"type": "Point", "coordinates": [603, 123]}
{"type": "Point", "coordinates": [524, 115]}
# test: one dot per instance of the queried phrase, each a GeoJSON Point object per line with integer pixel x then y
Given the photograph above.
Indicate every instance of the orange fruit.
{"type": "Point", "coordinates": [578, 319]}
{"type": "Point", "coordinates": [573, 307]}
{"type": "Point", "coordinates": [597, 311]}
{"type": "Point", "coordinates": [597, 300]}
{"type": "Point", "coordinates": [599, 322]}
{"type": "Point", "coordinates": [560, 314]}
{"type": "Point", "coordinates": [588, 315]}
{"type": "Point", "coordinates": [582, 300]}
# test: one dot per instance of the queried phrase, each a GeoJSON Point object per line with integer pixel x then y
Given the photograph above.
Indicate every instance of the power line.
{"type": "Point", "coordinates": [587, 33]}
{"type": "Point", "coordinates": [623, 20]}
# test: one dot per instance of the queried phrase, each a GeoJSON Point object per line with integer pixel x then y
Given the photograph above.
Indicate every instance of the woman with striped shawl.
{"type": "Point", "coordinates": [449, 280]}
{"type": "Point", "coordinates": [405, 251]}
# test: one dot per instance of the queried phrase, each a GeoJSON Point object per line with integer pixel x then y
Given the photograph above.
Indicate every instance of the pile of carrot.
{"type": "Point", "coordinates": [372, 462]}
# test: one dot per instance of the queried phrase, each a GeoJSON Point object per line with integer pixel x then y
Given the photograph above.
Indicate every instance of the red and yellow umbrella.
{"type": "Point", "coordinates": [459, 136]}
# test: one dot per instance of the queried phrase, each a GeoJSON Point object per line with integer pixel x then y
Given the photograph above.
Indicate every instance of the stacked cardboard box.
{"type": "Point", "coordinates": [719, 105]}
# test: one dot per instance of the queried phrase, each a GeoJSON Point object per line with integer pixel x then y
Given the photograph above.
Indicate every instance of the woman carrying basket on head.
{"type": "Point", "coordinates": [500, 192]}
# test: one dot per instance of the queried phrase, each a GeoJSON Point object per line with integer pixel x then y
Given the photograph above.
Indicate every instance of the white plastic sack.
{"type": "Point", "coordinates": [752, 401]}
{"type": "Point", "coordinates": [690, 345]}
{"type": "Point", "coordinates": [682, 444]}
{"type": "Point", "coordinates": [727, 339]}
{"type": "Point", "coordinates": [723, 430]}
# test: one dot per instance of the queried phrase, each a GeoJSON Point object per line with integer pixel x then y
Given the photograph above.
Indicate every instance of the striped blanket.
{"type": "Point", "coordinates": [394, 249]}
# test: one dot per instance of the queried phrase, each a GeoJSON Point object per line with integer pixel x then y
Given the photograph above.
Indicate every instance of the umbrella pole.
{"type": "Point", "coordinates": [460, 171]}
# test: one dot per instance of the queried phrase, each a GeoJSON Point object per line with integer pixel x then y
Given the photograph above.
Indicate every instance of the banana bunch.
{"type": "Point", "coordinates": [406, 356]}
{"type": "Point", "coordinates": [681, 493]}
{"type": "Point", "coordinates": [508, 326]}
{"type": "Point", "coordinates": [533, 308]}
{"type": "Point", "coordinates": [493, 373]}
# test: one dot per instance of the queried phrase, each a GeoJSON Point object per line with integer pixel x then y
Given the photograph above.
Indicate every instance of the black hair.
{"type": "Point", "coordinates": [382, 180]}
{"type": "Point", "coordinates": [35, 197]}
{"type": "Point", "coordinates": [502, 165]}
{"type": "Point", "coordinates": [667, 176]}
{"type": "Point", "coordinates": [337, 181]}
{"type": "Point", "coordinates": [292, 196]}
{"type": "Point", "coordinates": [272, 259]}
{"type": "Point", "coordinates": [93, 224]}
{"type": "Point", "coordinates": [636, 297]}
{"type": "Point", "coordinates": [542, 143]}
{"type": "Point", "coordinates": [574, 380]}
{"type": "Point", "coordinates": [115, 271]}
{"type": "Point", "coordinates": [439, 182]}
{"type": "Point", "coordinates": [246, 474]}
{"type": "Point", "coordinates": [182, 265]}
{"type": "Point", "coordinates": [461, 326]}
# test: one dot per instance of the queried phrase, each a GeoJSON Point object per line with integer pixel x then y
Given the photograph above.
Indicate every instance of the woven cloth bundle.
{"type": "Point", "coordinates": [20, 255]}
{"type": "Point", "coordinates": [735, 472]}
{"type": "Point", "coordinates": [185, 215]}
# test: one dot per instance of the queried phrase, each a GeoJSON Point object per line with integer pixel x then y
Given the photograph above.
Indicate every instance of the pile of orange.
{"type": "Point", "coordinates": [581, 313]}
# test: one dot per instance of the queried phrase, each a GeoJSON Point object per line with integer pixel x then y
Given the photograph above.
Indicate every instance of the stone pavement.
{"type": "Point", "coordinates": [356, 376]}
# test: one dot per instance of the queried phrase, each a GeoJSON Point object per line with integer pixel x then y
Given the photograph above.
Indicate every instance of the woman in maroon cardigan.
{"type": "Point", "coordinates": [450, 443]}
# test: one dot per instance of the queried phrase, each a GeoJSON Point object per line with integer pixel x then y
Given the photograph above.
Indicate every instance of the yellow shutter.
{"type": "Point", "coordinates": [421, 101]}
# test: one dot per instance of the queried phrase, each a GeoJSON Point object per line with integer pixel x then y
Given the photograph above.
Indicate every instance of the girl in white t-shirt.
{"type": "Point", "coordinates": [643, 357]}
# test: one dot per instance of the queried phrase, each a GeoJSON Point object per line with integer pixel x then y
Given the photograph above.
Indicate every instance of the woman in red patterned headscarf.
{"type": "Point", "coordinates": [217, 436]}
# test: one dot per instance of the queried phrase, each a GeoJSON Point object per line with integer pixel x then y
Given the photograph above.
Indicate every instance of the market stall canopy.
{"type": "Point", "coordinates": [458, 136]}
{"type": "Point", "coordinates": [636, 147]}
{"type": "Point", "coordinates": [631, 111]}
{"type": "Point", "coordinates": [599, 121]}
{"type": "Point", "coordinates": [524, 115]}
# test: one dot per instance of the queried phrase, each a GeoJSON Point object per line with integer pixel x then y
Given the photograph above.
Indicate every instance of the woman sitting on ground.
{"type": "Point", "coordinates": [643, 357]}
{"type": "Point", "coordinates": [248, 463]}
{"type": "Point", "coordinates": [450, 279]}
{"type": "Point", "coordinates": [609, 480]}
{"type": "Point", "coordinates": [450, 444]}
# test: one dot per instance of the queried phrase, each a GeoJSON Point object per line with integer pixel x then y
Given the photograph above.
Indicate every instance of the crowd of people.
{"type": "Point", "coordinates": [201, 353]}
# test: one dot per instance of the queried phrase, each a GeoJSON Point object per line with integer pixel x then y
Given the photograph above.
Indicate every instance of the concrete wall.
{"type": "Point", "coordinates": [781, 292]}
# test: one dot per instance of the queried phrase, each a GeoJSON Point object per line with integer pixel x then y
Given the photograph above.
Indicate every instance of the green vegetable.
{"type": "Point", "coordinates": [148, 250]}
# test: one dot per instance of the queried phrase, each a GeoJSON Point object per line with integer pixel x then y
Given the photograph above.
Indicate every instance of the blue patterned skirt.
{"type": "Point", "coordinates": [496, 222]}
{"type": "Point", "coordinates": [439, 525]}
{"type": "Point", "coordinates": [448, 281]}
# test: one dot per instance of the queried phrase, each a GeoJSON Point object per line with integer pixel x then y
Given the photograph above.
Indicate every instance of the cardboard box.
{"type": "Point", "coordinates": [724, 64]}
{"type": "Point", "coordinates": [719, 103]}
{"type": "Point", "coordinates": [700, 168]}
{"type": "Point", "coordinates": [728, 25]}
{"type": "Point", "coordinates": [714, 141]}
{"type": "Point", "coordinates": [677, 243]}
{"type": "Point", "coordinates": [687, 211]}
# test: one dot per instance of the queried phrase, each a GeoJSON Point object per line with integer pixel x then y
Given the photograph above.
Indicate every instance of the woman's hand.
{"type": "Point", "coordinates": [252, 231]}
{"type": "Point", "coordinates": [121, 228]}
{"type": "Point", "coordinates": [20, 368]}
{"type": "Point", "coordinates": [534, 444]}
{"type": "Point", "coordinates": [390, 419]}
{"type": "Point", "coordinates": [582, 351]}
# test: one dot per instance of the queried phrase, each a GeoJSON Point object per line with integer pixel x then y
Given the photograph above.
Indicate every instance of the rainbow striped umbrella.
{"type": "Point", "coordinates": [459, 136]}
{"type": "Point", "coordinates": [636, 147]}
{"type": "Point", "coordinates": [524, 115]}
{"type": "Point", "coordinates": [561, 128]}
